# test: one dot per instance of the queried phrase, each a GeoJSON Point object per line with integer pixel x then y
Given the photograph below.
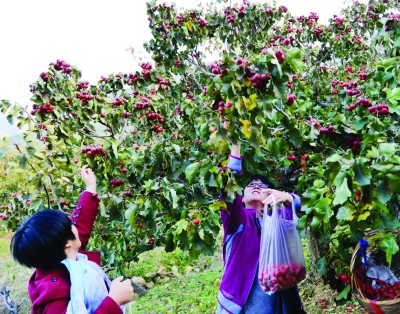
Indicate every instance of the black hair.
{"type": "Point", "coordinates": [263, 179]}
{"type": "Point", "coordinates": [40, 241]}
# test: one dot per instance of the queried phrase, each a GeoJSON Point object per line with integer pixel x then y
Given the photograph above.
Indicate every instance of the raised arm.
{"type": "Point", "coordinates": [86, 211]}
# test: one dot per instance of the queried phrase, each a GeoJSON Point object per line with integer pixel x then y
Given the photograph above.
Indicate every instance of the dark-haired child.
{"type": "Point", "coordinates": [240, 291]}
{"type": "Point", "coordinates": [68, 279]}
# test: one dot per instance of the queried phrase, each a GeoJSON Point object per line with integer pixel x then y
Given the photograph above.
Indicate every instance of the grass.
{"type": "Point", "coordinates": [14, 277]}
{"type": "Point", "coordinates": [192, 289]}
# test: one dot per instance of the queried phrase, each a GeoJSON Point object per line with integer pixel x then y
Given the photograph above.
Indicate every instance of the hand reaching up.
{"type": "Point", "coordinates": [89, 178]}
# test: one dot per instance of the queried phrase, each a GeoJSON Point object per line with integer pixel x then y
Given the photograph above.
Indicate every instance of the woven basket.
{"type": "Point", "coordinates": [386, 307]}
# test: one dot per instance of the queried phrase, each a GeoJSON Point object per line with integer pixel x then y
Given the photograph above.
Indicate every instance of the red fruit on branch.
{"type": "Point", "coordinates": [196, 221]}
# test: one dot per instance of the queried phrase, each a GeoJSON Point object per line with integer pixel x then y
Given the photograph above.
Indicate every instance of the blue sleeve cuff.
{"type": "Point", "coordinates": [235, 163]}
{"type": "Point", "coordinates": [296, 201]}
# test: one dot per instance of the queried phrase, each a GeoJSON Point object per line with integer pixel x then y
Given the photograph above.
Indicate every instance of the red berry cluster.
{"type": "Point", "coordinates": [279, 55]}
{"type": "Point", "coordinates": [217, 68]}
{"type": "Point", "coordinates": [229, 16]}
{"type": "Point", "coordinates": [290, 99]}
{"type": "Point", "coordinates": [82, 85]}
{"type": "Point", "coordinates": [41, 126]}
{"type": "Point", "coordinates": [358, 195]}
{"type": "Point", "coordinates": [3, 217]}
{"type": "Point", "coordinates": [154, 116]}
{"type": "Point", "coordinates": [44, 76]}
{"type": "Point", "coordinates": [318, 31]}
{"type": "Point", "coordinates": [93, 151]}
{"type": "Point", "coordinates": [363, 102]}
{"type": "Point", "coordinates": [84, 96]}
{"type": "Point", "coordinates": [281, 277]}
{"type": "Point", "coordinates": [64, 203]}
{"type": "Point", "coordinates": [119, 101]}
{"type": "Point", "coordinates": [46, 108]}
{"type": "Point", "coordinates": [260, 80]}
{"type": "Point", "coordinates": [362, 76]}
{"type": "Point", "coordinates": [62, 66]}
{"type": "Point", "coordinates": [314, 122]}
{"type": "Point", "coordinates": [329, 130]}
{"type": "Point", "coordinates": [117, 182]}
{"type": "Point", "coordinates": [386, 291]}
{"type": "Point", "coordinates": [4, 207]}
{"type": "Point", "coordinates": [379, 109]}
{"type": "Point", "coordinates": [241, 62]}
{"type": "Point", "coordinates": [222, 106]}
{"type": "Point", "coordinates": [146, 72]}
{"type": "Point", "coordinates": [144, 104]}
{"type": "Point", "coordinates": [127, 193]}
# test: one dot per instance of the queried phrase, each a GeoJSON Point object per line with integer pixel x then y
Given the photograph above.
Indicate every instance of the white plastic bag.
{"type": "Point", "coordinates": [281, 264]}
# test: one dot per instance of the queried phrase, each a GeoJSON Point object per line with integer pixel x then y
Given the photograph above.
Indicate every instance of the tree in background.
{"type": "Point", "coordinates": [316, 107]}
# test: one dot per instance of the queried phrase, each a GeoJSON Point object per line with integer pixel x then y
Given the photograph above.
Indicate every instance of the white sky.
{"type": "Point", "coordinates": [93, 35]}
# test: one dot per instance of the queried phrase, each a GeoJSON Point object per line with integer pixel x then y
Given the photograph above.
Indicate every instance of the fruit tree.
{"type": "Point", "coordinates": [314, 106]}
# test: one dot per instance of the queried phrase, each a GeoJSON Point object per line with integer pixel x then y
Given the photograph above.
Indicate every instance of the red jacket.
{"type": "Point", "coordinates": [49, 290]}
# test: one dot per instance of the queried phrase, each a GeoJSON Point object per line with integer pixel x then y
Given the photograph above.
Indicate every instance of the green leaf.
{"type": "Point", "coordinates": [345, 214]}
{"type": "Point", "coordinates": [334, 158]}
{"type": "Point", "coordinates": [373, 153]}
{"type": "Point", "coordinates": [181, 225]}
{"type": "Point", "coordinates": [384, 194]}
{"type": "Point", "coordinates": [390, 247]}
{"type": "Point", "coordinates": [216, 206]}
{"type": "Point", "coordinates": [342, 193]}
{"type": "Point", "coordinates": [191, 172]}
{"type": "Point", "coordinates": [344, 293]}
{"type": "Point", "coordinates": [360, 123]}
{"type": "Point", "coordinates": [10, 119]}
{"type": "Point", "coordinates": [362, 173]}
{"type": "Point", "coordinates": [388, 149]}
{"type": "Point", "coordinates": [393, 95]}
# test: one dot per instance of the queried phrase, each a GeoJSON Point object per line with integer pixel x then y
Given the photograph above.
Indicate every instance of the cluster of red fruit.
{"type": "Point", "coordinates": [82, 85]}
{"type": "Point", "coordinates": [314, 122]}
{"type": "Point", "coordinates": [144, 104]}
{"type": "Point", "coordinates": [46, 108]}
{"type": "Point", "coordinates": [279, 55]}
{"type": "Point", "coordinates": [41, 126]}
{"type": "Point", "coordinates": [329, 130]}
{"type": "Point", "coordinates": [146, 72]}
{"type": "Point", "coordinates": [260, 80]}
{"type": "Point", "coordinates": [3, 217]}
{"type": "Point", "coordinates": [290, 99]}
{"type": "Point", "coordinates": [386, 291]}
{"type": "Point", "coordinates": [44, 76]}
{"type": "Point", "coordinates": [222, 106]}
{"type": "Point", "coordinates": [117, 182]}
{"type": "Point", "coordinates": [217, 69]}
{"type": "Point", "coordinates": [362, 76]}
{"type": "Point", "coordinates": [119, 101]}
{"type": "Point", "coordinates": [358, 195]}
{"type": "Point", "coordinates": [64, 203]}
{"type": "Point", "coordinates": [379, 109]}
{"type": "Point", "coordinates": [281, 277]}
{"type": "Point", "coordinates": [85, 96]}
{"type": "Point", "coordinates": [93, 151]}
{"type": "Point", "coordinates": [62, 66]}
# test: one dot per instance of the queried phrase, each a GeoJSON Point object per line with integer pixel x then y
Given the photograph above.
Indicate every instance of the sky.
{"type": "Point", "coordinates": [94, 35]}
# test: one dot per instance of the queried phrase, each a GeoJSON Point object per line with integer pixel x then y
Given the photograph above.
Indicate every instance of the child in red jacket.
{"type": "Point", "coordinates": [68, 279]}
